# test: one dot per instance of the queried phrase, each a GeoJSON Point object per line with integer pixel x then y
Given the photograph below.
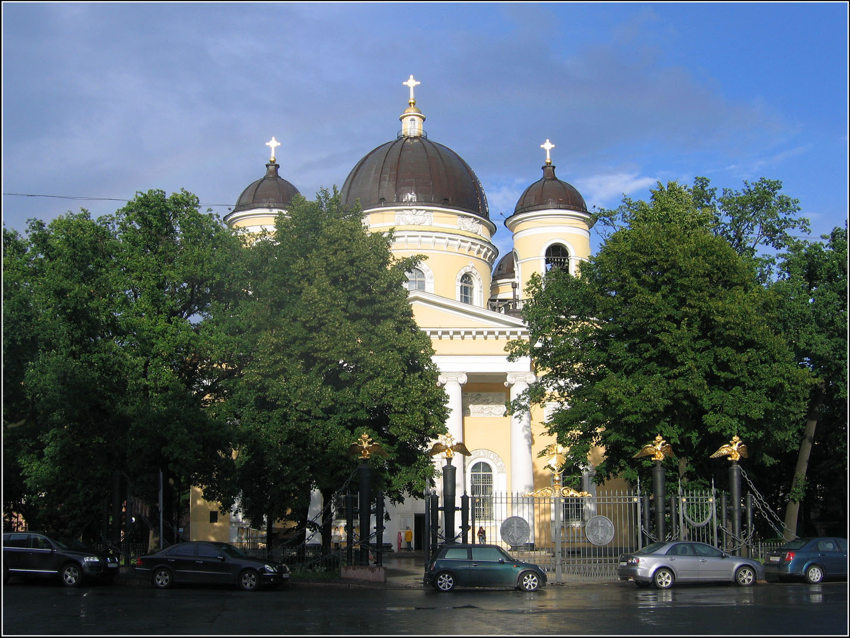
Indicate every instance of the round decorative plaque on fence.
{"type": "Point", "coordinates": [515, 531]}
{"type": "Point", "coordinates": [599, 530]}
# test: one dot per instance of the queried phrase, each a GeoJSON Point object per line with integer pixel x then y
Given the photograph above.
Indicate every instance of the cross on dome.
{"type": "Point", "coordinates": [411, 83]}
{"type": "Point", "coordinates": [547, 146]}
{"type": "Point", "coordinates": [273, 144]}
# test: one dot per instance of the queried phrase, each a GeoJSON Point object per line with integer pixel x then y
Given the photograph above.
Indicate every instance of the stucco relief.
{"type": "Point", "coordinates": [484, 404]}
{"type": "Point", "coordinates": [414, 217]}
{"type": "Point", "coordinates": [494, 459]}
{"type": "Point", "coordinates": [470, 225]}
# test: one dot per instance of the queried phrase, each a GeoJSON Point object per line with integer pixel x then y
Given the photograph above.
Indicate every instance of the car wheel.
{"type": "Point", "coordinates": [745, 576]}
{"type": "Point", "coordinates": [663, 578]}
{"type": "Point", "coordinates": [814, 574]}
{"type": "Point", "coordinates": [71, 575]}
{"type": "Point", "coordinates": [445, 581]}
{"type": "Point", "coordinates": [249, 580]}
{"type": "Point", "coordinates": [529, 581]}
{"type": "Point", "coordinates": [162, 578]}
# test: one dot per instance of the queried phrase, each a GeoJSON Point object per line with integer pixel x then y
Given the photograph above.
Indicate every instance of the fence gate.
{"type": "Point", "coordinates": [577, 535]}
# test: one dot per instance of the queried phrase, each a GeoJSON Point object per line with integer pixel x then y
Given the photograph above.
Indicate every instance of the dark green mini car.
{"type": "Point", "coordinates": [461, 565]}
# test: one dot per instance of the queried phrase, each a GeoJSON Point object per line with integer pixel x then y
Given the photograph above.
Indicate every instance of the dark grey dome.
{"type": "Point", "coordinates": [506, 268]}
{"type": "Point", "coordinates": [270, 191]}
{"type": "Point", "coordinates": [413, 169]}
{"type": "Point", "coordinates": [550, 192]}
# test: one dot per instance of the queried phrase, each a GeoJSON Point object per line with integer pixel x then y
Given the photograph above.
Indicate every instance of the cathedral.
{"type": "Point", "coordinates": [461, 296]}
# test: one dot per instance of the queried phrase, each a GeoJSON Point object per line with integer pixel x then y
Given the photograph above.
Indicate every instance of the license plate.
{"type": "Point", "coordinates": [774, 559]}
{"type": "Point", "coordinates": [623, 563]}
{"type": "Point", "coordinates": [113, 565]}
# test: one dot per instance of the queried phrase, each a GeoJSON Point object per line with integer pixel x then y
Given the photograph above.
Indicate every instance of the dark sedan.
{"type": "Point", "coordinates": [461, 565]}
{"type": "Point", "coordinates": [212, 563]}
{"type": "Point", "coordinates": [34, 554]}
{"type": "Point", "coordinates": [812, 559]}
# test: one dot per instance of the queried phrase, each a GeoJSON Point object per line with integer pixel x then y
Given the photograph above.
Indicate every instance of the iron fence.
{"type": "Point", "coordinates": [583, 536]}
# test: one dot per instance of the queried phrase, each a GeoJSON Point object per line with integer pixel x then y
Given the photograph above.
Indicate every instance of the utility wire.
{"type": "Point", "coordinates": [101, 199]}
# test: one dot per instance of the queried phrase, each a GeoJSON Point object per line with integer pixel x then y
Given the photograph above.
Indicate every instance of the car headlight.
{"type": "Point", "coordinates": [270, 568]}
{"type": "Point", "coordinates": [91, 559]}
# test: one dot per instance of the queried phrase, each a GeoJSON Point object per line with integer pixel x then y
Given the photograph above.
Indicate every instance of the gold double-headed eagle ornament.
{"type": "Point", "coordinates": [658, 449]}
{"type": "Point", "coordinates": [735, 450]}
{"type": "Point", "coordinates": [447, 445]}
{"type": "Point", "coordinates": [365, 448]}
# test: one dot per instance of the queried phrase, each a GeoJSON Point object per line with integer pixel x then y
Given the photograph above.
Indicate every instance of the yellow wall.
{"type": "Point", "coordinates": [200, 528]}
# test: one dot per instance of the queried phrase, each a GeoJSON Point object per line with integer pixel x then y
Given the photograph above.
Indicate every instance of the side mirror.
{"type": "Point", "coordinates": [502, 561]}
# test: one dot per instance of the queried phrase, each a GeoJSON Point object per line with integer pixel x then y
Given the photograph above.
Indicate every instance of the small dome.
{"type": "Point", "coordinates": [550, 192]}
{"type": "Point", "coordinates": [506, 268]}
{"type": "Point", "coordinates": [413, 169]}
{"type": "Point", "coordinates": [270, 191]}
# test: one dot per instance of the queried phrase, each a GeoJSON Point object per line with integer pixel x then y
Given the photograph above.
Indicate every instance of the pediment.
{"type": "Point", "coordinates": [433, 312]}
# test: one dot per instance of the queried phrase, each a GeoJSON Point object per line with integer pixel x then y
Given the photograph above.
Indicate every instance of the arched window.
{"type": "Point", "coordinates": [481, 481]}
{"type": "Point", "coordinates": [415, 279]}
{"type": "Point", "coordinates": [557, 257]}
{"type": "Point", "coordinates": [467, 288]}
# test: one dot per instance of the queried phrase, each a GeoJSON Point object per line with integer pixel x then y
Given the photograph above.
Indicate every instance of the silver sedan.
{"type": "Point", "coordinates": [662, 564]}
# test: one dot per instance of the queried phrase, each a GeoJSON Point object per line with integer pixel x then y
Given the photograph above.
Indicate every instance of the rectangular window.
{"type": "Point", "coordinates": [213, 516]}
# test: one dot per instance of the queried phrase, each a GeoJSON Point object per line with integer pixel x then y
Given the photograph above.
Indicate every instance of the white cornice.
{"type": "Point", "coordinates": [555, 216]}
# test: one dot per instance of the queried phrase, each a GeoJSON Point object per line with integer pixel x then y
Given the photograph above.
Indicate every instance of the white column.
{"type": "Point", "coordinates": [452, 381]}
{"type": "Point", "coordinates": [522, 470]}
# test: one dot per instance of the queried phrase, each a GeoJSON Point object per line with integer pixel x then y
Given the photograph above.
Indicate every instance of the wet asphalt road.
{"type": "Point", "coordinates": [597, 609]}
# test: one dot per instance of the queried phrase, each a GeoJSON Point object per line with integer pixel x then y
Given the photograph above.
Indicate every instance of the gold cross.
{"type": "Point", "coordinates": [273, 144]}
{"type": "Point", "coordinates": [547, 146]}
{"type": "Point", "coordinates": [411, 83]}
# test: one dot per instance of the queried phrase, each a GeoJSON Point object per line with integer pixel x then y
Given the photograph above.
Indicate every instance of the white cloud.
{"type": "Point", "coordinates": [607, 190]}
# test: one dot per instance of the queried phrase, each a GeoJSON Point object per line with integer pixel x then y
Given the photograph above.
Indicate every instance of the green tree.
{"type": "Point", "coordinates": [812, 287]}
{"type": "Point", "coordinates": [331, 351]}
{"type": "Point", "coordinates": [59, 375]}
{"type": "Point", "coordinates": [666, 331]}
{"type": "Point", "coordinates": [113, 362]}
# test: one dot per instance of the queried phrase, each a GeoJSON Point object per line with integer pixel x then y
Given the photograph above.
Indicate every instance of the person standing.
{"type": "Point", "coordinates": [408, 538]}
{"type": "Point", "coordinates": [482, 535]}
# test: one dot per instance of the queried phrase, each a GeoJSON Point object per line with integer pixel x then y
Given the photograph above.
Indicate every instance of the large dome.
{"type": "Point", "coordinates": [550, 193]}
{"type": "Point", "coordinates": [413, 169]}
{"type": "Point", "coordinates": [270, 191]}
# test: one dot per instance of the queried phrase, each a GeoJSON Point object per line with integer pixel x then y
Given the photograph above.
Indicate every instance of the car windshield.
{"type": "Point", "coordinates": [651, 548]}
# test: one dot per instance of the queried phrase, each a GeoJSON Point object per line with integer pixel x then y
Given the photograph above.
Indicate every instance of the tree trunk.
{"type": "Point", "coordinates": [792, 510]}
{"type": "Point", "coordinates": [269, 535]}
{"type": "Point", "coordinates": [327, 520]}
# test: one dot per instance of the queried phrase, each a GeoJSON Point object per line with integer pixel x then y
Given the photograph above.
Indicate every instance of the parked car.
{"type": "Point", "coordinates": [813, 559]}
{"type": "Point", "coordinates": [210, 562]}
{"type": "Point", "coordinates": [34, 554]}
{"type": "Point", "coordinates": [463, 565]}
{"type": "Point", "coordinates": [663, 564]}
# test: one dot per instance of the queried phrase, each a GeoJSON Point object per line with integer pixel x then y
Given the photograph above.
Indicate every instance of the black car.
{"type": "Point", "coordinates": [466, 565]}
{"type": "Point", "coordinates": [212, 563]}
{"type": "Point", "coordinates": [34, 554]}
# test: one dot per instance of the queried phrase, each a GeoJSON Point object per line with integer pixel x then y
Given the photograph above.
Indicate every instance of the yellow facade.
{"type": "Point", "coordinates": [470, 314]}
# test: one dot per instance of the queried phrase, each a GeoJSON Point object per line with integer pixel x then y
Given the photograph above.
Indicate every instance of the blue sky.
{"type": "Point", "coordinates": [104, 100]}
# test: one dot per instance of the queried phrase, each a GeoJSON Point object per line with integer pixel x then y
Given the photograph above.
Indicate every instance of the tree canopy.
{"type": "Point", "coordinates": [330, 350]}
{"type": "Point", "coordinates": [666, 331]}
{"type": "Point", "coordinates": [107, 364]}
